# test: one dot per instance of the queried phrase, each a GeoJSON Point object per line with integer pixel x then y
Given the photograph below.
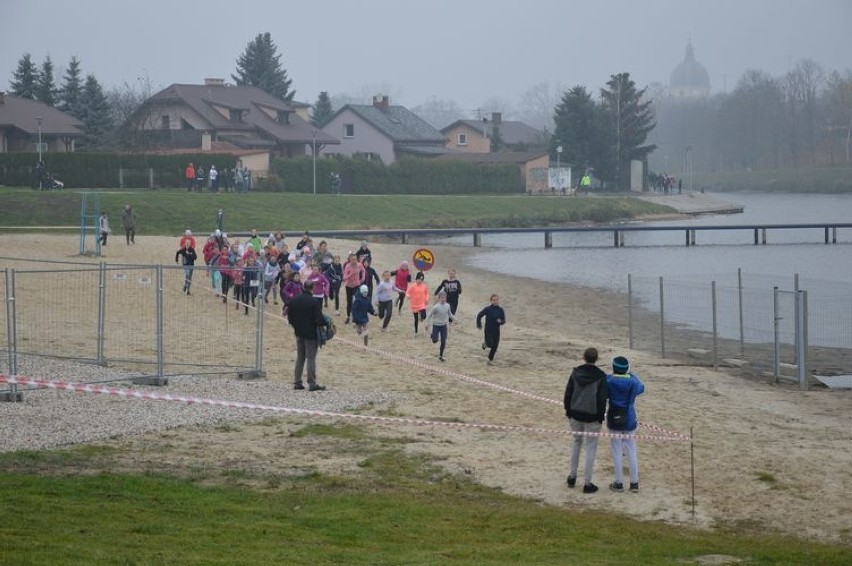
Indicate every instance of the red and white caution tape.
{"type": "Point", "coordinates": [126, 393]}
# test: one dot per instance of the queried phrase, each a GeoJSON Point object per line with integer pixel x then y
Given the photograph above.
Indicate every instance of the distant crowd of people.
{"type": "Point", "coordinates": [228, 180]}
{"type": "Point", "coordinates": [664, 183]}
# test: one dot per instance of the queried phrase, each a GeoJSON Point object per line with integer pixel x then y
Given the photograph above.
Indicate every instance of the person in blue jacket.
{"type": "Point", "coordinates": [623, 387]}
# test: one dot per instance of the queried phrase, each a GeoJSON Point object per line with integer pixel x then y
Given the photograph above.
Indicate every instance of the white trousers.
{"type": "Point", "coordinates": [621, 446]}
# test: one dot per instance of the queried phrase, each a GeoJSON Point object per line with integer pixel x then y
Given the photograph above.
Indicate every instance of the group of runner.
{"type": "Point", "coordinates": [267, 269]}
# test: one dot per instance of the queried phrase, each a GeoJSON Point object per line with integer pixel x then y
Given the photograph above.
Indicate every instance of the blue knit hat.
{"type": "Point", "coordinates": [620, 364]}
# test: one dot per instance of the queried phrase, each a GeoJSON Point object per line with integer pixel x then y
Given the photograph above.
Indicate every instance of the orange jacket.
{"type": "Point", "coordinates": [418, 296]}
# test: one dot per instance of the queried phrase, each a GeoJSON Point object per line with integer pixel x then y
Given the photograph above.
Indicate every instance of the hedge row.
{"type": "Point", "coordinates": [101, 170]}
{"type": "Point", "coordinates": [358, 176]}
{"type": "Point", "coordinates": [407, 176]}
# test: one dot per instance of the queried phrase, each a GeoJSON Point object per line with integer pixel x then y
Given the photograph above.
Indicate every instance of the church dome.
{"type": "Point", "coordinates": [690, 77]}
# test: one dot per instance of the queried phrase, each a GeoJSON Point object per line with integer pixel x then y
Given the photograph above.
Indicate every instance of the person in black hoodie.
{"type": "Point", "coordinates": [585, 406]}
{"type": "Point", "coordinates": [495, 317]}
{"type": "Point", "coordinates": [189, 257]}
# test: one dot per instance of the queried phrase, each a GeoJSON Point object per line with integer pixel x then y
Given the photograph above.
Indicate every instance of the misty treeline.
{"type": "Point", "coordinates": [800, 119]}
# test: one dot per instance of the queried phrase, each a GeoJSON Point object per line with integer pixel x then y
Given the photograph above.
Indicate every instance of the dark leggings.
{"type": "Point", "coordinates": [400, 300]}
{"type": "Point", "coordinates": [439, 332]}
{"type": "Point", "coordinates": [350, 294]}
{"type": "Point", "coordinates": [418, 316]}
{"type": "Point", "coordinates": [385, 312]}
{"type": "Point", "coordinates": [453, 301]}
{"type": "Point", "coordinates": [227, 281]}
{"type": "Point", "coordinates": [334, 293]}
{"type": "Point", "coordinates": [492, 340]}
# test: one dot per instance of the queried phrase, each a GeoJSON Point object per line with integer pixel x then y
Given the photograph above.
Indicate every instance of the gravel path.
{"type": "Point", "coordinates": [49, 419]}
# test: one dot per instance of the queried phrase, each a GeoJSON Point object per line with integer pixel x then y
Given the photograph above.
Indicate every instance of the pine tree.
{"type": "Point", "coordinates": [631, 119]}
{"type": "Point", "coordinates": [97, 115]}
{"type": "Point", "coordinates": [24, 78]}
{"type": "Point", "coordinates": [322, 110]}
{"type": "Point", "coordinates": [260, 66]}
{"type": "Point", "coordinates": [581, 131]}
{"type": "Point", "coordinates": [45, 87]}
{"type": "Point", "coordinates": [71, 91]}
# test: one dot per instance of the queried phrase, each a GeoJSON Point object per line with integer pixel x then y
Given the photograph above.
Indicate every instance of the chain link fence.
{"type": "Point", "coordinates": [134, 317]}
{"type": "Point", "coordinates": [784, 333]}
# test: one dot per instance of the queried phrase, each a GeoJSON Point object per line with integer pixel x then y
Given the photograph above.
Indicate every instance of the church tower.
{"type": "Point", "coordinates": [689, 80]}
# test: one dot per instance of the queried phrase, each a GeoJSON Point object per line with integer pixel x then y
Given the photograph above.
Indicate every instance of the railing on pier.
{"type": "Point", "coordinates": [618, 231]}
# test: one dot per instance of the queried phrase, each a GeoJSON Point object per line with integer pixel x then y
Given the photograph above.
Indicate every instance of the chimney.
{"type": "Point", "coordinates": [381, 102]}
{"type": "Point", "coordinates": [214, 82]}
{"type": "Point", "coordinates": [497, 118]}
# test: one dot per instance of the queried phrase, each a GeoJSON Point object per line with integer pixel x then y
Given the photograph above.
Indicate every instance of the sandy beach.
{"type": "Point", "coordinates": [767, 457]}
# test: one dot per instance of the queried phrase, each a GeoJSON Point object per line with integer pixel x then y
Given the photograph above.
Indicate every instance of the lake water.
{"type": "Point", "coordinates": [590, 259]}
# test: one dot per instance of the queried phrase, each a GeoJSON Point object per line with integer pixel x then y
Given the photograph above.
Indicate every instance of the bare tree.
{"type": "Point", "coordinates": [801, 88]}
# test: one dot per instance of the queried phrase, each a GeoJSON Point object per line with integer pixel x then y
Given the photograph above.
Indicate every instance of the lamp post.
{"type": "Point", "coordinates": [41, 173]}
{"type": "Point", "coordinates": [314, 154]}
{"type": "Point", "coordinates": [689, 168]}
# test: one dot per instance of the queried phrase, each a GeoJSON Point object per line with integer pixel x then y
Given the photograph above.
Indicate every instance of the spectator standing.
{"type": "Point", "coordinates": [189, 175]}
{"type": "Point", "coordinates": [305, 316]}
{"type": "Point", "coordinates": [128, 220]}
{"type": "Point", "coordinates": [103, 228]}
{"type": "Point", "coordinates": [213, 175]}
{"type": "Point", "coordinates": [585, 406]}
{"type": "Point", "coordinates": [199, 178]}
{"type": "Point", "coordinates": [623, 387]}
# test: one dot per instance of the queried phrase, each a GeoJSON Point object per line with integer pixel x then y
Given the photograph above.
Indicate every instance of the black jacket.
{"type": "Point", "coordinates": [304, 313]}
{"type": "Point", "coordinates": [586, 394]}
{"type": "Point", "coordinates": [189, 256]}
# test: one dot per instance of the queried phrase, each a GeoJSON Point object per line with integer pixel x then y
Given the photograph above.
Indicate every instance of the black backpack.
{"type": "Point", "coordinates": [326, 331]}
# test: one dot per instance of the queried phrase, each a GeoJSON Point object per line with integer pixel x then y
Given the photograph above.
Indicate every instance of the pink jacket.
{"type": "Point", "coordinates": [354, 274]}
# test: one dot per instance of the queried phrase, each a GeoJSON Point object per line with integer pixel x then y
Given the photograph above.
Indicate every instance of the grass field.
{"type": "Point", "coordinates": [172, 212]}
{"type": "Point", "coordinates": [65, 507]}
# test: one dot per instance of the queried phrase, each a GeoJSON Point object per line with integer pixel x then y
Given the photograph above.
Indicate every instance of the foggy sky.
{"type": "Point", "coordinates": [468, 51]}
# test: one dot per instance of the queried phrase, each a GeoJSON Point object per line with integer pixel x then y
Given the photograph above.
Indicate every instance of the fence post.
{"type": "Point", "coordinates": [715, 327]}
{"type": "Point", "coordinates": [159, 291]}
{"type": "Point", "coordinates": [13, 394]}
{"type": "Point", "coordinates": [151, 178]}
{"type": "Point", "coordinates": [740, 307]}
{"type": "Point", "coordinates": [796, 319]}
{"type": "Point", "coordinates": [776, 359]}
{"type": "Point", "coordinates": [258, 347]}
{"type": "Point", "coordinates": [802, 338]}
{"type": "Point", "coordinates": [629, 311]}
{"type": "Point", "coordinates": [120, 178]}
{"type": "Point", "coordinates": [662, 322]}
{"type": "Point", "coordinates": [101, 313]}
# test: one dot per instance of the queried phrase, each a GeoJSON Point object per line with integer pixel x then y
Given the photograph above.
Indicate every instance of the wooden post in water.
{"type": "Point", "coordinates": [477, 240]}
{"type": "Point", "coordinates": [548, 239]}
